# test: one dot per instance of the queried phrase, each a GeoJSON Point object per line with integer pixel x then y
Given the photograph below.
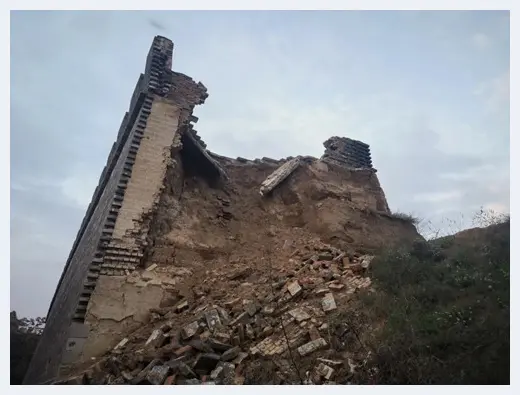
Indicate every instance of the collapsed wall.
{"type": "Point", "coordinates": [170, 219]}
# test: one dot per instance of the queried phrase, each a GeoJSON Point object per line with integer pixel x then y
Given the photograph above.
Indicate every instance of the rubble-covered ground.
{"type": "Point", "coordinates": [254, 287]}
{"type": "Point", "coordinates": [287, 329]}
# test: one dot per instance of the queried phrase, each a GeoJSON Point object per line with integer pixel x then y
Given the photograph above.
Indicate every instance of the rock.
{"type": "Point", "coordinates": [230, 354]}
{"type": "Point", "coordinates": [121, 344]}
{"type": "Point", "coordinates": [313, 333]}
{"type": "Point", "coordinates": [224, 316]}
{"type": "Point", "coordinates": [218, 346]}
{"type": "Point", "coordinates": [185, 370]}
{"type": "Point", "coordinates": [143, 373]}
{"type": "Point", "coordinates": [206, 362]}
{"type": "Point", "coordinates": [312, 346]}
{"type": "Point", "coordinates": [336, 286]}
{"type": "Point", "coordinates": [324, 371]}
{"type": "Point", "coordinates": [324, 327]}
{"type": "Point", "coordinates": [366, 260]}
{"type": "Point", "coordinates": [182, 306]}
{"type": "Point", "coordinates": [232, 303]}
{"type": "Point", "coordinates": [321, 291]}
{"type": "Point", "coordinates": [183, 350]}
{"type": "Point", "coordinates": [191, 382]}
{"type": "Point", "coordinates": [267, 331]}
{"type": "Point", "coordinates": [330, 362]}
{"type": "Point", "coordinates": [328, 303]}
{"type": "Point", "coordinates": [151, 267]}
{"type": "Point", "coordinates": [294, 288]}
{"type": "Point", "coordinates": [327, 275]}
{"type": "Point", "coordinates": [241, 356]}
{"type": "Point", "coordinates": [251, 308]}
{"type": "Point", "coordinates": [127, 375]}
{"type": "Point", "coordinates": [325, 256]}
{"type": "Point", "coordinates": [222, 337]}
{"type": "Point", "coordinates": [242, 318]}
{"type": "Point", "coordinates": [268, 310]}
{"type": "Point", "coordinates": [213, 319]}
{"type": "Point", "coordinates": [190, 330]}
{"type": "Point", "coordinates": [250, 333]}
{"type": "Point", "coordinates": [156, 339]}
{"type": "Point", "coordinates": [299, 314]}
{"type": "Point", "coordinates": [200, 345]}
{"type": "Point", "coordinates": [240, 273]}
{"type": "Point", "coordinates": [158, 374]}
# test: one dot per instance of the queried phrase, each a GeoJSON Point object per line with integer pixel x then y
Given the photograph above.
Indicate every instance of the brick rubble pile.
{"type": "Point", "coordinates": [216, 341]}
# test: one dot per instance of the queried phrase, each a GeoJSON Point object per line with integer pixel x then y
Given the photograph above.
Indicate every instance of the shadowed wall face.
{"type": "Point", "coordinates": [113, 235]}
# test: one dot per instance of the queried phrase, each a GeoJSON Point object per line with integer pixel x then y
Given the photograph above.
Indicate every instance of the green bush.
{"type": "Point", "coordinates": [445, 308]}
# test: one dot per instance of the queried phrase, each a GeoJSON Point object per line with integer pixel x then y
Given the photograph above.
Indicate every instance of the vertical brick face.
{"type": "Point", "coordinates": [149, 169]}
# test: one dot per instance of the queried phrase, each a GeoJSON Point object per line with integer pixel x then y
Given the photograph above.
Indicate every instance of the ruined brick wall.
{"type": "Point", "coordinates": [112, 236]}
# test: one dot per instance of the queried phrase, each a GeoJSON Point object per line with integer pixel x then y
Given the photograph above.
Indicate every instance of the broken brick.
{"type": "Point", "coordinates": [294, 288]}
{"type": "Point", "coordinates": [158, 374]}
{"type": "Point", "coordinates": [328, 303]}
{"type": "Point", "coordinates": [190, 330]}
{"type": "Point", "coordinates": [312, 346]}
{"type": "Point", "coordinates": [230, 354]}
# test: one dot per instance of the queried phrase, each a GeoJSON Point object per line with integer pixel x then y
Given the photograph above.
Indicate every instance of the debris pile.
{"type": "Point", "coordinates": [195, 342]}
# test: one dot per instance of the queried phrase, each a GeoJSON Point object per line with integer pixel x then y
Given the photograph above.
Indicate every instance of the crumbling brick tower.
{"type": "Point", "coordinates": [113, 235]}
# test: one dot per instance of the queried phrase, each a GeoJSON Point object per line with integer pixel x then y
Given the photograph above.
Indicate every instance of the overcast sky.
{"type": "Point", "coordinates": [429, 91]}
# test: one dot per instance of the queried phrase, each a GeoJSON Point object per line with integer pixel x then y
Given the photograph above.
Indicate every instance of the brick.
{"type": "Point", "coordinates": [294, 288]}
{"type": "Point", "coordinates": [299, 314]}
{"type": "Point", "coordinates": [328, 303]}
{"type": "Point", "coordinates": [190, 330]}
{"type": "Point", "coordinates": [312, 346]}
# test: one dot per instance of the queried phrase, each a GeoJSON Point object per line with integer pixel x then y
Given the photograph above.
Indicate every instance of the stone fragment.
{"type": "Point", "coordinates": [218, 346]}
{"type": "Point", "coordinates": [190, 330]}
{"type": "Point", "coordinates": [182, 306]}
{"type": "Point", "coordinates": [328, 303]}
{"type": "Point", "coordinates": [158, 374]}
{"type": "Point", "coordinates": [143, 373]}
{"type": "Point", "coordinates": [183, 350]}
{"type": "Point", "coordinates": [251, 308]}
{"type": "Point", "coordinates": [294, 288]}
{"type": "Point", "coordinates": [232, 303]}
{"type": "Point", "coordinates": [222, 336]}
{"type": "Point", "coordinates": [224, 316]}
{"type": "Point", "coordinates": [127, 375]}
{"type": "Point", "coordinates": [312, 346]}
{"type": "Point", "coordinates": [325, 256]}
{"type": "Point", "coordinates": [155, 339]}
{"type": "Point", "coordinates": [299, 314]}
{"type": "Point", "coordinates": [278, 176]}
{"type": "Point", "coordinates": [230, 354]}
{"type": "Point", "coordinates": [321, 291]}
{"type": "Point", "coordinates": [200, 345]}
{"type": "Point", "coordinates": [268, 310]}
{"type": "Point", "coordinates": [151, 267]}
{"type": "Point", "coordinates": [191, 382]}
{"type": "Point", "coordinates": [242, 318]}
{"type": "Point", "coordinates": [366, 260]}
{"type": "Point", "coordinates": [213, 319]}
{"type": "Point", "coordinates": [336, 286]}
{"type": "Point", "coordinates": [330, 362]}
{"type": "Point", "coordinates": [185, 370]}
{"type": "Point", "coordinates": [121, 344]}
{"type": "Point", "coordinates": [267, 331]}
{"type": "Point", "coordinates": [324, 371]}
{"type": "Point", "coordinates": [313, 333]}
{"type": "Point", "coordinates": [250, 333]}
{"type": "Point", "coordinates": [324, 327]}
{"type": "Point", "coordinates": [240, 273]}
{"type": "Point", "coordinates": [241, 356]}
{"type": "Point", "coordinates": [206, 362]}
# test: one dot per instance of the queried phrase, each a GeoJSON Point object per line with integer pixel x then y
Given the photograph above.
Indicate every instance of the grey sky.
{"type": "Point", "coordinates": [429, 91]}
